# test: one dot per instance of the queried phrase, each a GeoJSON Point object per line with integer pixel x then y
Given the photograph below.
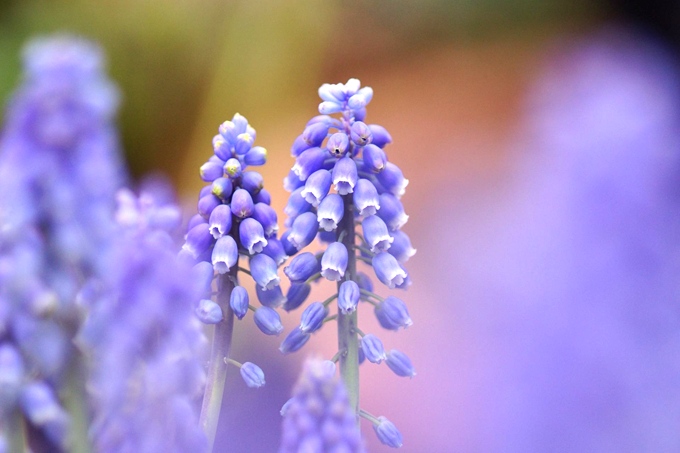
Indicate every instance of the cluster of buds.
{"type": "Point", "coordinates": [342, 180]}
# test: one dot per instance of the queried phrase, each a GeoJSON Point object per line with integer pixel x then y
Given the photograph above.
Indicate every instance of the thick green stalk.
{"type": "Point", "coordinates": [75, 402]}
{"type": "Point", "coordinates": [217, 369]}
{"type": "Point", "coordinates": [15, 432]}
{"type": "Point", "coordinates": [348, 341]}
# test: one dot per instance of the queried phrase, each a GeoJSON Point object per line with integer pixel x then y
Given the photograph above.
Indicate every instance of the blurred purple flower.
{"type": "Point", "coordinates": [319, 416]}
{"type": "Point", "coordinates": [60, 166]}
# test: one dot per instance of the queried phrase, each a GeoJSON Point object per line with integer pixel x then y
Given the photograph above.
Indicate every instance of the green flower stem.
{"type": "Point", "coordinates": [217, 370]}
{"type": "Point", "coordinates": [16, 433]}
{"type": "Point", "coordinates": [347, 323]}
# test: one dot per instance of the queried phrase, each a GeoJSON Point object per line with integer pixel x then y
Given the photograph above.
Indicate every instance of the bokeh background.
{"type": "Point", "coordinates": [542, 142]}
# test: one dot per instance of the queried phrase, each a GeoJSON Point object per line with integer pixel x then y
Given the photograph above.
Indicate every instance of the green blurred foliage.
{"type": "Point", "coordinates": [184, 66]}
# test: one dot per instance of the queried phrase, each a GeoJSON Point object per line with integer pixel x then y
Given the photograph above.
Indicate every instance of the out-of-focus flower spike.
{"type": "Point", "coordinates": [366, 198]}
{"type": "Point", "coordinates": [252, 234]}
{"type": "Point", "coordinates": [268, 321]}
{"type": "Point", "coordinates": [312, 318]}
{"type": "Point", "coordinates": [334, 262]}
{"type": "Point", "coordinates": [242, 203]}
{"type": "Point", "coordinates": [400, 364]}
{"type": "Point", "coordinates": [263, 268]}
{"type": "Point", "coordinates": [376, 234]}
{"type": "Point", "coordinates": [220, 221]}
{"type": "Point", "coordinates": [295, 340]}
{"type": "Point", "coordinates": [296, 295]}
{"type": "Point", "coordinates": [345, 176]}
{"type": "Point", "coordinates": [392, 314]}
{"type": "Point", "coordinates": [388, 270]}
{"type": "Point", "coordinates": [272, 298]}
{"type": "Point", "coordinates": [208, 312]}
{"type": "Point", "coordinates": [224, 254]}
{"type": "Point", "coordinates": [330, 212]}
{"type": "Point", "coordinates": [238, 301]}
{"type": "Point", "coordinates": [252, 375]}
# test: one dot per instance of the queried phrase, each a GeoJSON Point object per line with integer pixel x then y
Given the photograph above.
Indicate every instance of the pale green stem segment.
{"type": "Point", "coordinates": [330, 318]}
{"type": "Point", "coordinates": [362, 258]}
{"type": "Point", "coordinates": [348, 341]}
{"type": "Point", "coordinates": [365, 250]}
{"type": "Point", "coordinates": [233, 362]}
{"type": "Point", "coordinates": [217, 369]}
{"type": "Point", "coordinates": [15, 432]}
{"type": "Point", "coordinates": [75, 401]}
{"type": "Point", "coordinates": [372, 418]}
{"type": "Point", "coordinates": [313, 278]}
{"type": "Point", "coordinates": [370, 294]}
{"type": "Point", "coordinates": [327, 302]}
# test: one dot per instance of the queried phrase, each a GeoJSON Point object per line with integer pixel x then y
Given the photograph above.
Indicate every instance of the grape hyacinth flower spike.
{"type": "Point", "coordinates": [346, 193]}
{"type": "Point", "coordinates": [60, 167]}
{"type": "Point", "coordinates": [319, 418]}
{"type": "Point", "coordinates": [234, 222]}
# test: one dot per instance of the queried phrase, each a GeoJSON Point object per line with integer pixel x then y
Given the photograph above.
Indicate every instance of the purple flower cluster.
{"type": "Point", "coordinates": [234, 218]}
{"type": "Point", "coordinates": [59, 169]}
{"type": "Point", "coordinates": [342, 178]}
{"type": "Point", "coordinates": [146, 345]}
{"type": "Point", "coordinates": [319, 418]}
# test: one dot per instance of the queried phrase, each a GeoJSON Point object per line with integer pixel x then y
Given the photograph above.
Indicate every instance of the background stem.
{"type": "Point", "coordinates": [347, 323]}
{"type": "Point", "coordinates": [217, 369]}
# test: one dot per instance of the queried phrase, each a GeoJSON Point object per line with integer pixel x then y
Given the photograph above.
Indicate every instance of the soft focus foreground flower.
{"type": "Point", "coordinates": [319, 418]}
{"type": "Point", "coordinates": [147, 349]}
{"type": "Point", "coordinates": [59, 169]}
{"type": "Point", "coordinates": [569, 273]}
{"type": "Point", "coordinates": [340, 177]}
